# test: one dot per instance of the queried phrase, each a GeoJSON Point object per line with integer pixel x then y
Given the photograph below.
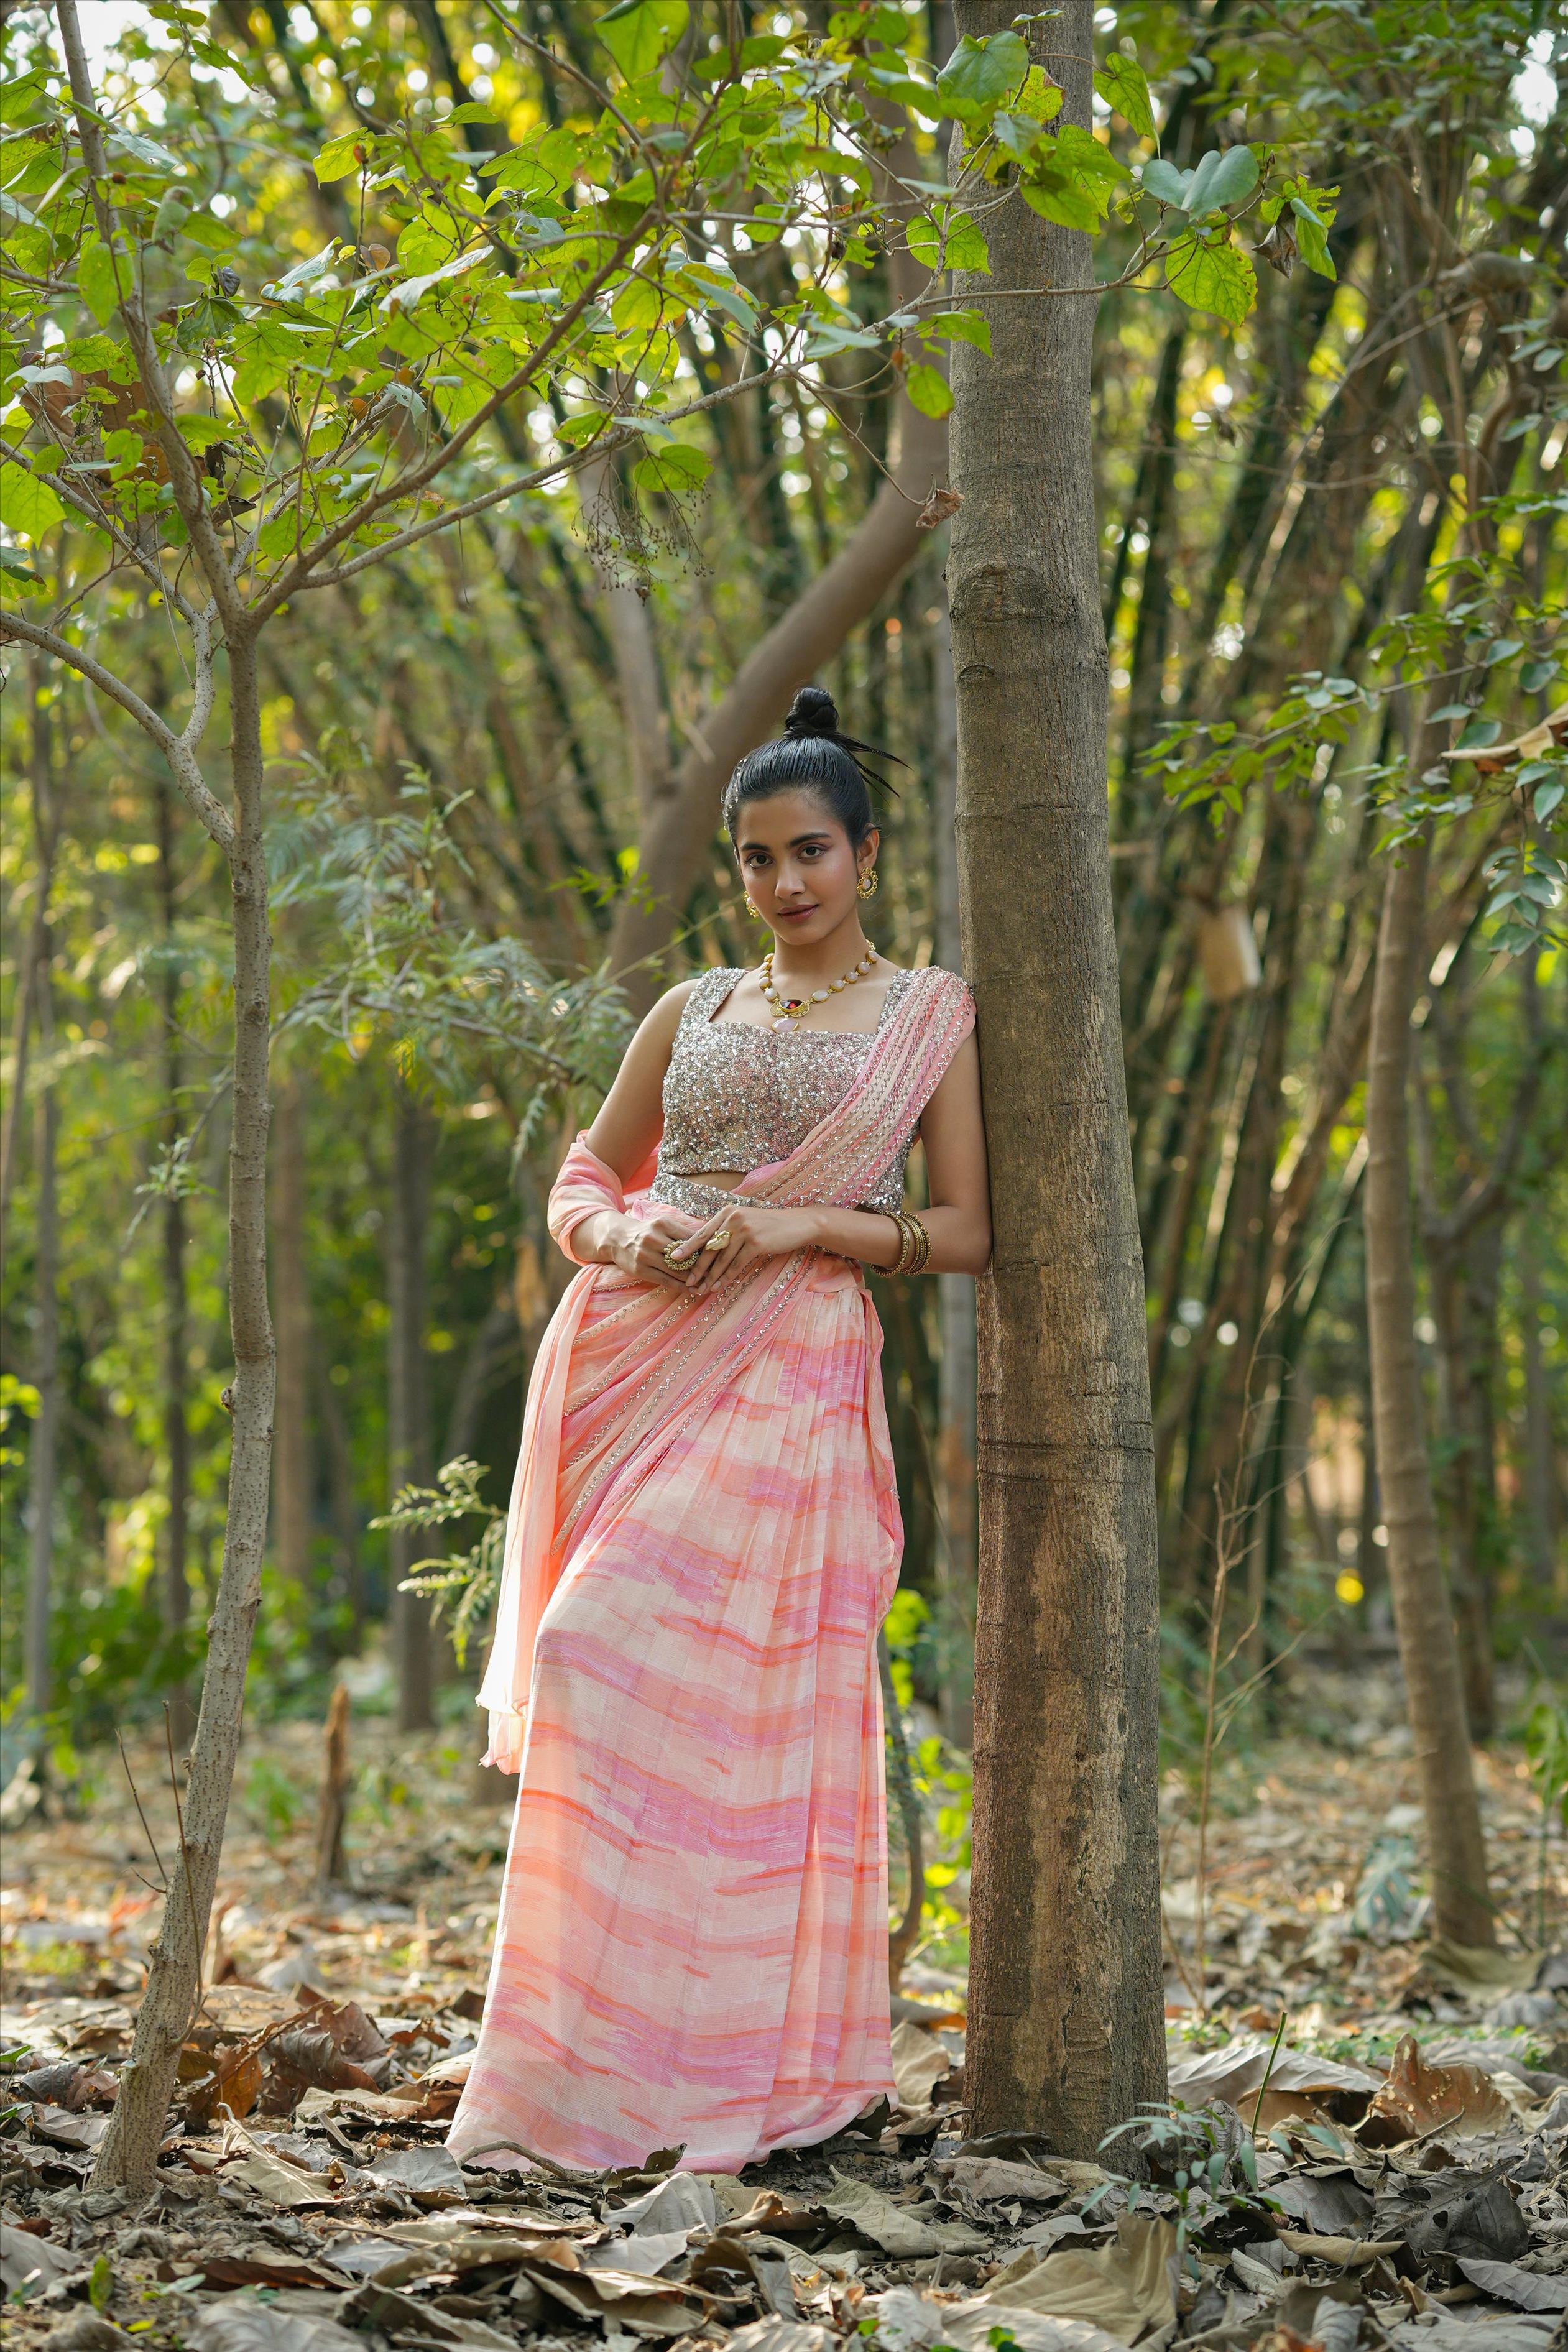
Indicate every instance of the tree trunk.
{"type": "Point", "coordinates": [127, 2156]}
{"type": "Point", "coordinates": [1068, 2030]}
{"type": "Point", "coordinates": [292, 1481]}
{"type": "Point", "coordinates": [1423, 1621]}
{"type": "Point", "coordinates": [408, 1414]}
{"type": "Point", "coordinates": [176, 1596]}
{"type": "Point", "coordinates": [43, 1454]}
{"type": "Point", "coordinates": [871, 560]}
{"type": "Point", "coordinates": [46, 837]}
{"type": "Point", "coordinates": [1543, 1498]}
{"type": "Point", "coordinates": [955, 1292]}
{"type": "Point", "coordinates": [349, 1564]}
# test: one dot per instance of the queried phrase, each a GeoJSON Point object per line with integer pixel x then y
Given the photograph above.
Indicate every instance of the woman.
{"type": "Point", "coordinates": [704, 1533]}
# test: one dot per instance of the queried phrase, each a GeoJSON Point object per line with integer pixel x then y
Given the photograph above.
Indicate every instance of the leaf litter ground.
{"type": "Point", "coordinates": [1391, 2169]}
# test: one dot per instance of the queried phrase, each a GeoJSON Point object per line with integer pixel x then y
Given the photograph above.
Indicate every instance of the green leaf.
{"type": "Point", "coordinates": [638, 306]}
{"type": "Point", "coordinates": [1215, 277]}
{"type": "Point", "coordinates": [1220, 180]}
{"type": "Point", "coordinates": [1125, 87]}
{"type": "Point", "coordinates": [1162, 180]}
{"type": "Point", "coordinates": [95, 281]}
{"type": "Point", "coordinates": [1311, 239]}
{"type": "Point", "coordinates": [204, 432]}
{"type": "Point", "coordinates": [1504, 649]}
{"type": "Point", "coordinates": [678, 469]}
{"type": "Point", "coordinates": [979, 74]}
{"type": "Point", "coordinates": [758, 50]}
{"type": "Point", "coordinates": [948, 241]}
{"type": "Point", "coordinates": [18, 98]}
{"type": "Point", "coordinates": [959, 326]}
{"type": "Point", "coordinates": [472, 112]}
{"type": "Point", "coordinates": [338, 158]}
{"type": "Point", "coordinates": [1548, 797]}
{"type": "Point", "coordinates": [639, 33]}
{"type": "Point", "coordinates": [100, 2283]}
{"type": "Point", "coordinates": [1536, 675]}
{"type": "Point", "coordinates": [1040, 98]}
{"type": "Point", "coordinates": [928, 389]}
{"type": "Point", "coordinates": [1072, 179]}
{"type": "Point", "coordinates": [1479, 734]}
{"type": "Point", "coordinates": [27, 504]}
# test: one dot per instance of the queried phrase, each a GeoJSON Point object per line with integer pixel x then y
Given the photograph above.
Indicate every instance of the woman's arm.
{"type": "Point", "coordinates": [958, 1220]}
{"type": "Point", "coordinates": [629, 1123]}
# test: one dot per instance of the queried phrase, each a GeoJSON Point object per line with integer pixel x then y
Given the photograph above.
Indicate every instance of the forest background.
{"type": "Point", "coordinates": [1311, 479]}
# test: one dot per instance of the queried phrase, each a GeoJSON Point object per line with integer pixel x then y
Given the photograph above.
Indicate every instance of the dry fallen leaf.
{"type": "Point", "coordinates": [1419, 2098]}
{"type": "Point", "coordinates": [1127, 2288]}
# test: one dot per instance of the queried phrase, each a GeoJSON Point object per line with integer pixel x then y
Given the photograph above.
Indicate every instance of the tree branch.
{"type": "Point", "coordinates": [178, 750]}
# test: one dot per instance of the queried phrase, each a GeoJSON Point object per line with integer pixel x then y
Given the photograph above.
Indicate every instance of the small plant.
{"type": "Point", "coordinates": [473, 1577]}
{"type": "Point", "coordinates": [1192, 2153]}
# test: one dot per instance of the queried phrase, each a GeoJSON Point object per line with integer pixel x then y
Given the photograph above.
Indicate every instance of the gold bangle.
{"type": "Point", "coordinates": [922, 1246]}
{"type": "Point", "coordinates": [888, 1272]}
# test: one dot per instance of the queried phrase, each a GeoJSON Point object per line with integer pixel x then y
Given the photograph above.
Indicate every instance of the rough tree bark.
{"type": "Point", "coordinates": [1066, 2033]}
{"type": "Point", "coordinates": [1543, 1498]}
{"type": "Point", "coordinates": [291, 1467]}
{"type": "Point", "coordinates": [408, 1403]}
{"type": "Point", "coordinates": [43, 1452]}
{"type": "Point", "coordinates": [177, 1593]}
{"type": "Point", "coordinates": [127, 2156]}
{"type": "Point", "coordinates": [955, 1292]}
{"type": "Point", "coordinates": [1423, 1621]}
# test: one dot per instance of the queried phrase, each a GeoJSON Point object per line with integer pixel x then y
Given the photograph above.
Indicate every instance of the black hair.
{"type": "Point", "coordinates": [811, 755]}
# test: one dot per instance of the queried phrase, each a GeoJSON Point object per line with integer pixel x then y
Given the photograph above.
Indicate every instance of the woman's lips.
{"type": "Point", "coordinates": [794, 914]}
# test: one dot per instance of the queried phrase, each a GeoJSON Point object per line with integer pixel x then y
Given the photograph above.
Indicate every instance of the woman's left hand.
{"type": "Point", "coordinates": [753, 1232]}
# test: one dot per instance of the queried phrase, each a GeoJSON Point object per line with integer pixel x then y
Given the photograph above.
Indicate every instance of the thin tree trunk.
{"type": "Point", "coordinates": [955, 1292]}
{"type": "Point", "coordinates": [45, 836]}
{"type": "Point", "coordinates": [292, 1480]}
{"type": "Point", "coordinates": [408, 1415]}
{"type": "Point", "coordinates": [1067, 2032]}
{"type": "Point", "coordinates": [341, 1487]}
{"type": "Point", "coordinates": [1543, 1499]}
{"type": "Point", "coordinates": [127, 2156]}
{"type": "Point", "coordinates": [43, 1454]}
{"type": "Point", "coordinates": [177, 1595]}
{"type": "Point", "coordinates": [1423, 1620]}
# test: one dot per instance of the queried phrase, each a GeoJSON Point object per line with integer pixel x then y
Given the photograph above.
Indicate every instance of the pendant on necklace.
{"type": "Point", "coordinates": [784, 1021]}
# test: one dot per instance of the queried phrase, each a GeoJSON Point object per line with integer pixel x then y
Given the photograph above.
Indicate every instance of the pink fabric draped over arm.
{"type": "Point", "coordinates": [530, 1567]}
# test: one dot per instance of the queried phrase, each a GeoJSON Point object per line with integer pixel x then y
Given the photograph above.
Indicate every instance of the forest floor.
{"type": "Point", "coordinates": [1395, 2171]}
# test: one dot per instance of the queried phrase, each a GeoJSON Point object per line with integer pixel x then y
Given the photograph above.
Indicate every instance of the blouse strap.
{"type": "Point", "coordinates": [713, 984]}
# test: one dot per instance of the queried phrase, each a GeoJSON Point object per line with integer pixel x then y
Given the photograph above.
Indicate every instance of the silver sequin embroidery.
{"type": "Point", "coordinates": [739, 1096]}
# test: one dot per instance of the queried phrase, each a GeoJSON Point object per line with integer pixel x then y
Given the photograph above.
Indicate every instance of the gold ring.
{"type": "Point", "coordinates": [671, 1259]}
{"type": "Point", "coordinates": [717, 1241]}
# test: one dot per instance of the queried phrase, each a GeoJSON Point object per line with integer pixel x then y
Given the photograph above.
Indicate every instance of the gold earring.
{"type": "Point", "coordinates": [867, 886]}
{"type": "Point", "coordinates": [756, 912]}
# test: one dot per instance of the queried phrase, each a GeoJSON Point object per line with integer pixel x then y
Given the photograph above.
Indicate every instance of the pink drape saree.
{"type": "Point", "coordinates": [703, 1538]}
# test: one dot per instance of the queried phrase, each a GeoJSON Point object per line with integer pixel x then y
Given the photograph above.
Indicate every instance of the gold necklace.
{"type": "Point", "coordinates": [789, 1010]}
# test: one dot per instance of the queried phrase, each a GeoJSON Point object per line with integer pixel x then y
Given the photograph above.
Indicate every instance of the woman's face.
{"type": "Point", "coordinates": [799, 868]}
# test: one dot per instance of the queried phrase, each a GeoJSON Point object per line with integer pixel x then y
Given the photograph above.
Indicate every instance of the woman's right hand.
{"type": "Point", "coordinates": [638, 1246]}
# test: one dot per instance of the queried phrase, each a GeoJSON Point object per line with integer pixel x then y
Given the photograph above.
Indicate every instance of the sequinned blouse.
{"type": "Point", "coordinates": [739, 1095]}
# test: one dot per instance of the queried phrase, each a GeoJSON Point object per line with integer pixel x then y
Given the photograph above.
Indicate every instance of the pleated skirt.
{"type": "Point", "coordinates": [692, 1943]}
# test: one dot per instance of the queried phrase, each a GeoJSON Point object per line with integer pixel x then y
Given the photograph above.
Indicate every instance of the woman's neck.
{"type": "Point", "coordinates": [822, 960]}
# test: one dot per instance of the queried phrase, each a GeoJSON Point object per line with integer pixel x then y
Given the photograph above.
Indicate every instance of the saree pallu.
{"type": "Point", "coordinates": [703, 1538]}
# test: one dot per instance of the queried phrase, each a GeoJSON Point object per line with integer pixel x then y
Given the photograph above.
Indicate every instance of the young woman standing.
{"type": "Point", "coordinates": [704, 1534]}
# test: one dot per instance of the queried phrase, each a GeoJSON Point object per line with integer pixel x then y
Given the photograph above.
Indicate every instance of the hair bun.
{"type": "Point", "coordinates": [813, 712]}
